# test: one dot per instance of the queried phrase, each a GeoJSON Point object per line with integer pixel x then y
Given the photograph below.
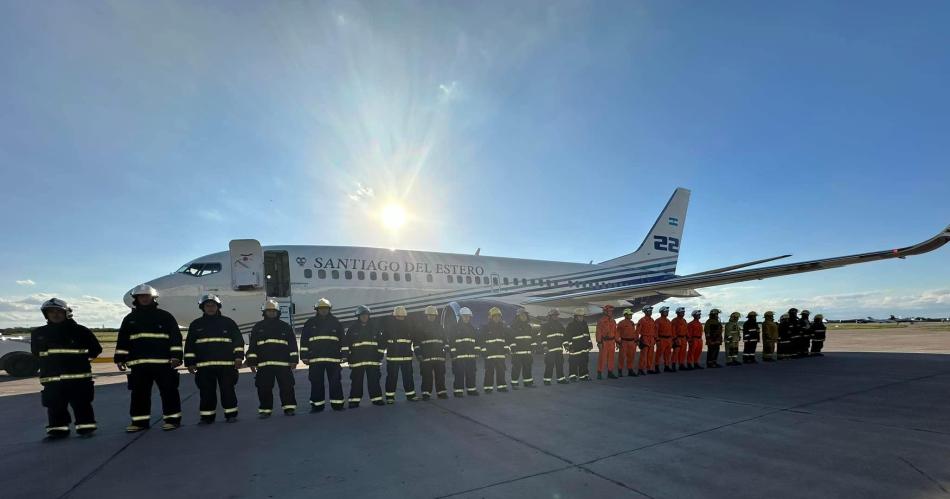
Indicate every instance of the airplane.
{"type": "Point", "coordinates": [297, 276]}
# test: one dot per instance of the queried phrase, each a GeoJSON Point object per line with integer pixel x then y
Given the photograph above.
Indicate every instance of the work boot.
{"type": "Point", "coordinates": [641, 372]}
{"type": "Point", "coordinates": [85, 432]}
{"type": "Point", "coordinates": [473, 392]}
{"type": "Point", "coordinates": [289, 412]}
{"type": "Point", "coordinates": [318, 408]}
{"type": "Point", "coordinates": [611, 375]}
{"type": "Point", "coordinates": [230, 419]}
{"type": "Point", "coordinates": [697, 366]}
{"type": "Point", "coordinates": [514, 386]}
{"type": "Point", "coordinates": [379, 402]}
{"type": "Point", "coordinates": [412, 398]}
{"type": "Point", "coordinates": [443, 396]}
{"type": "Point", "coordinates": [529, 384]}
{"type": "Point", "coordinates": [390, 400]}
{"type": "Point", "coordinates": [263, 414]}
{"type": "Point", "coordinates": [547, 382]}
{"type": "Point", "coordinates": [335, 407]}
{"type": "Point", "coordinates": [503, 389]}
{"type": "Point", "coordinates": [166, 426]}
{"type": "Point", "coordinates": [354, 405]}
{"type": "Point", "coordinates": [205, 421]}
{"type": "Point", "coordinates": [133, 428]}
{"type": "Point", "coordinates": [426, 396]}
{"type": "Point", "coordinates": [563, 382]}
{"type": "Point", "coordinates": [631, 372]}
{"type": "Point", "coordinates": [56, 434]}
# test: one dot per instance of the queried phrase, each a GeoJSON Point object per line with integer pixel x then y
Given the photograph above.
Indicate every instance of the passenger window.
{"type": "Point", "coordinates": [335, 274]}
{"type": "Point", "coordinates": [428, 277]}
{"type": "Point", "coordinates": [478, 280]}
{"type": "Point", "coordinates": [348, 274]}
{"type": "Point", "coordinates": [308, 273]}
{"type": "Point", "coordinates": [385, 276]}
{"type": "Point", "coordinates": [468, 279]}
{"type": "Point", "coordinates": [408, 277]}
{"type": "Point", "coordinates": [372, 276]}
{"type": "Point", "coordinates": [322, 274]}
{"type": "Point", "coordinates": [448, 278]}
{"type": "Point", "coordinates": [361, 275]}
{"type": "Point", "coordinates": [396, 276]}
{"type": "Point", "coordinates": [505, 281]}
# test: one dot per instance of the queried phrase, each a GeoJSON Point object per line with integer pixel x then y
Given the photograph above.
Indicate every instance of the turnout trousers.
{"type": "Point", "coordinates": [816, 345]}
{"type": "Point", "coordinates": [463, 371]}
{"type": "Point", "coordinates": [58, 396]}
{"type": "Point", "coordinates": [712, 355]}
{"type": "Point", "coordinates": [332, 371]}
{"type": "Point", "coordinates": [748, 351]}
{"type": "Point", "coordinates": [210, 380]}
{"type": "Point", "coordinates": [371, 375]}
{"type": "Point", "coordinates": [579, 365]}
{"type": "Point", "coordinates": [768, 350]}
{"type": "Point", "coordinates": [554, 365]}
{"type": "Point", "coordinates": [628, 354]}
{"type": "Point", "coordinates": [521, 364]}
{"type": "Point", "coordinates": [264, 381]}
{"type": "Point", "coordinates": [433, 371]}
{"type": "Point", "coordinates": [393, 369]}
{"type": "Point", "coordinates": [495, 376]}
{"type": "Point", "coordinates": [141, 379]}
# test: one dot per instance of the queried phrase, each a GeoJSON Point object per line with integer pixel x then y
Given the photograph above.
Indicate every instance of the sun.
{"type": "Point", "coordinates": [393, 216]}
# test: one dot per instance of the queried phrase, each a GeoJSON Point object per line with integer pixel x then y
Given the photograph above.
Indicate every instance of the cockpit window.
{"type": "Point", "coordinates": [199, 269]}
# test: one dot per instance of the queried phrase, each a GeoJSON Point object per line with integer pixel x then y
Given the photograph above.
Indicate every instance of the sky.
{"type": "Point", "coordinates": [136, 136]}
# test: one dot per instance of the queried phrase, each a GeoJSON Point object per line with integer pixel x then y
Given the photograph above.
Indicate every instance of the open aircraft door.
{"type": "Point", "coordinates": [247, 281]}
{"type": "Point", "coordinates": [277, 282]}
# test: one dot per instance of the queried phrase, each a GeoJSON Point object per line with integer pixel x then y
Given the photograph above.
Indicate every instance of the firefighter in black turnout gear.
{"type": "Point", "coordinates": [464, 353]}
{"type": "Point", "coordinates": [321, 347]}
{"type": "Point", "coordinates": [272, 356]}
{"type": "Point", "coordinates": [788, 334]}
{"type": "Point", "coordinates": [522, 343]}
{"type": "Point", "coordinates": [579, 346]}
{"type": "Point", "coordinates": [149, 344]}
{"type": "Point", "coordinates": [214, 351]}
{"type": "Point", "coordinates": [364, 348]}
{"type": "Point", "coordinates": [804, 327]}
{"type": "Point", "coordinates": [64, 349]}
{"type": "Point", "coordinates": [750, 338]}
{"type": "Point", "coordinates": [818, 332]}
{"type": "Point", "coordinates": [494, 347]}
{"type": "Point", "coordinates": [552, 342]}
{"type": "Point", "coordinates": [397, 334]}
{"type": "Point", "coordinates": [430, 344]}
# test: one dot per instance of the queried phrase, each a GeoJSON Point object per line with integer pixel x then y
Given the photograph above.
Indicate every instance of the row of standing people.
{"type": "Point", "coordinates": [675, 344]}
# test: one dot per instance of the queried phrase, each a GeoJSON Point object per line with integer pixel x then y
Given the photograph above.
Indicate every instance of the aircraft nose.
{"type": "Point", "coordinates": [127, 298]}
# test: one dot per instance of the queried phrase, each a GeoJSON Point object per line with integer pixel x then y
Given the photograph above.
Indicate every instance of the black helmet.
{"type": "Point", "coordinates": [362, 309]}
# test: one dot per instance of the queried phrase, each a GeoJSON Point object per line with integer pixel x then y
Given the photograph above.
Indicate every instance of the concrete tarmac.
{"type": "Point", "coordinates": [860, 425]}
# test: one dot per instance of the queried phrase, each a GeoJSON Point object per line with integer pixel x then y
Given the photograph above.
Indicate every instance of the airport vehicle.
{"type": "Point", "coordinates": [296, 276]}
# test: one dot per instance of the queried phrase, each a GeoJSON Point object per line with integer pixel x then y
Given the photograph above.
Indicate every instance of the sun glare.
{"type": "Point", "coordinates": [393, 216]}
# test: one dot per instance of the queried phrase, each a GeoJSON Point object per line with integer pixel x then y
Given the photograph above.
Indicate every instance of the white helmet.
{"type": "Point", "coordinates": [270, 305]}
{"type": "Point", "coordinates": [322, 302]}
{"type": "Point", "coordinates": [664, 309]}
{"type": "Point", "coordinates": [54, 303]}
{"type": "Point", "coordinates": [465, 311]}
{"type": "Point", "coordinates": [400, 311]}
{"type": "Point", "coordinates": [144, 289]}
{"type": "Point", "coordinates": [580, 311]}
{"type": "Point", "coordinates": [206, 298]}
{"type": "Point", "coordinates": [647, 309]}
{"type": "Point", "coordinates": [430, 310]}
{"type": "Point", "coordinates": [553, 311]}
{"type": "Point", "coordinates": [697, 313]}
{"type": "Point", "coordinates": [680, 310]}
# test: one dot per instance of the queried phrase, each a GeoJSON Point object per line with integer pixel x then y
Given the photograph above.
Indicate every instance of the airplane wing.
{"type": "Point", "coordinates": [682, 285]}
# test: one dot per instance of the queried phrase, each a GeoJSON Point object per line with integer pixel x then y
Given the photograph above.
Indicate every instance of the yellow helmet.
{"type": "Point", "coordinates": [494, 311]}
{"type": "Point", "coordinates": [400, 311]}
{"type": "Point", "coordinates": [430, 310]}
{"type": "Point", "coordinates": [580, 311]}
{"type": "Point", "coordinates": [735, 315]}
{"type": "Point", "coordinates": [627, 311]}
{"type": "Point", "coordinates": [322, 303]}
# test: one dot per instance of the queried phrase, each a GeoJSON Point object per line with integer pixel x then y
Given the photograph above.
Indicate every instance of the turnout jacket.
{"type": "Point", "coordinates": [213, 340]}
{"type": "Point", "coordinates": [804, 326]}
{"type": "Point", "coordinates": [818, 330]}
{"type": "Point", "coordinates": [364, 345]}
{"type": "Point", "coordinates": [465, 342]}
{"type": "Point", "coordinates": [578, 337]}
{"type": "Point", "coordinates": [322, 340]}
{"type": "Point", "coordinates": [750, 330]}
{"type": "Point", "coordinates": [272, 343]}
{"type": "Point", "coordinates": [713, 331]}
{"type": "Point", "coordinates": [397, 335]}
{"type": "Point", "coordinates": [769, 331]}
{"type": "Point", "coordinates": [148, 335]}
{"type": "Point", "coordinates": [430, 341]}
{"type": "Point", "coordinates": [521, 337]}
{"type": "Point", "coordinates": [494, 338]}
{"type": "Point", "coordinates": [552, 336]}
{"type": "Point", "coordinates": [732, 332]}
{"type": "Point", "coordinates": [64, 351]}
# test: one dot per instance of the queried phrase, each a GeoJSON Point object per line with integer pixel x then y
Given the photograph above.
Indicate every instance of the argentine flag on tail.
{"type": "Point", "coordinates": [674, 221]}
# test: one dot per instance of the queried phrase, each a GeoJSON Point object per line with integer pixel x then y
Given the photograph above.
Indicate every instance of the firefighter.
{"type": "Point", "coordinates": [522, 343]}
{"type": "Point", "coordinates": [552, 342]}
{"type": "Point", "coordinates": [818, 331]}
{"type": "Point", "coordinates": [65, 349]}
{"type": "Point", "coordinates": [364, 348]}
{"type": "Point", "coordinates": [694, 333]}
{"type": "Point", "coordinates": [430, 348]}
{"type": "Point", "coordinates": [397, 335]}
{"type": "Point", "coordinates": [606, 343]}
{"type": "Point", "coordinates": [784, 337]}
{"type": "Point", "coordinates": [627, 335]}
{"type": "Point", "coordinates": [149, 344]}
{"type": "Point", "coordinates": [733, 333]}
{"type": "Point", "coordinates": [464, 352]}
{"type": "Point", "coordinates": [272, 357]}
{"type": "Point", "coordinates": [804, 326]}
{"type": "Point", "coordinates": [321, 348]}
{"type": "Point", "coordinates": [664, 346]}
{"type": "Point", "coordinates": [646, 330]}
{"type": "Point", "coordinates": [494, 348]}
{"type": "Point", "coordinates": [713, 332]}
{"type": "Point", "coordinates": [750, 338]}
{"type": "Point", "coordinates": [793, 334]}
{"type": "Point", "coordinates": [680, 339]}
{"type": "Point", "coordinates": [214, 351]}
{"type": "Point", "coordinates": [578, 346]}
{"type": "Point", "coordinates": [769, 337]}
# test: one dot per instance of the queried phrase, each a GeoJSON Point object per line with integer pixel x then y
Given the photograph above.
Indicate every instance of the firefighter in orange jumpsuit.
{"type": "Point", "coordinates": [646, 329]}
{"type": "Point", "coordinates": [627, 331]}
{"type": "Point", "coordinates": [694, 333]}
{"type": "Point", "coordinates": [606, 343]}
{"type": "Point", "coordinates": [664, 345]}
{"type": "Point", "coordinates": [680, 334]}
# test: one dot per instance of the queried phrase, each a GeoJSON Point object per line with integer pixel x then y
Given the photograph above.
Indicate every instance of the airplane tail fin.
{"type": "Point", "coordinates": [665, 237]}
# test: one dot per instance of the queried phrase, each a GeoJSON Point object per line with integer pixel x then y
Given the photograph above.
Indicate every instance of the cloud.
{"type": "Point", "coordinates": [19, 311]}
{"type": "Point", "coordinates": [25, 282]}
{"type": "Point", "coordinates": [211, 214]}
{"type": "Point", "coordinates": [362, 192]}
